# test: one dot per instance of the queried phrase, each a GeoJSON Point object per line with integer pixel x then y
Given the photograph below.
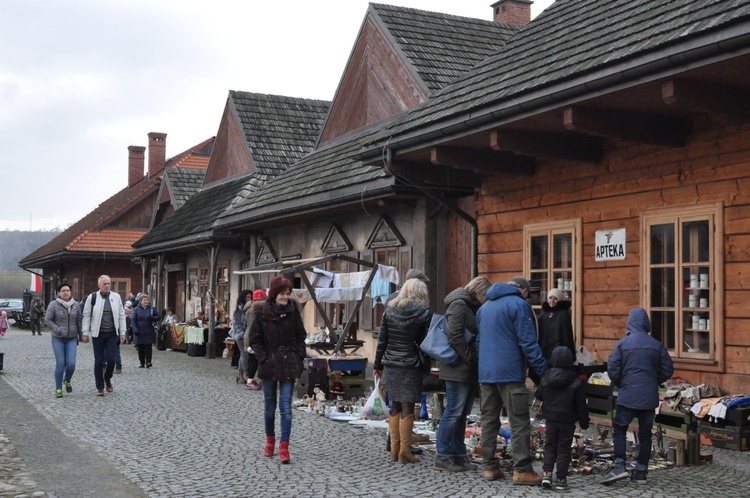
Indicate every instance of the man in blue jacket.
{"type": "Point", "coordinates": [637, 365]}
{"type": "Point", "coordinates": [506, 342]}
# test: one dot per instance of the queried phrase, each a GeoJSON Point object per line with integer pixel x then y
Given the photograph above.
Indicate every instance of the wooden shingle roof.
{"type": "Point", "coordinates": [184, 183]}
{"type": "Point", "coordinates": [278, 130]}
{"type": "Point", "coordinates": [572, 41]}
{"type": "Point", "coordinates": [441, 47]}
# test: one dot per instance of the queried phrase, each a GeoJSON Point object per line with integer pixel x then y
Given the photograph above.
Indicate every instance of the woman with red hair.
{"type": "Point", "coordinates": [277, 337]}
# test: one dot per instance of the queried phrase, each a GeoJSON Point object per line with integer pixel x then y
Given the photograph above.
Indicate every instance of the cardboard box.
{"type": "Point", "coordinates": [729, 437]}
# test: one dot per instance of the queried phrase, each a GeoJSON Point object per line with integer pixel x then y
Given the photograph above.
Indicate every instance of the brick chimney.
{"type": "Point", "coordinates": [157, 152]}
{"type": "Point", "coordinates": [135, 164]}
{"type": "Point", "coordinates": [516, 12]}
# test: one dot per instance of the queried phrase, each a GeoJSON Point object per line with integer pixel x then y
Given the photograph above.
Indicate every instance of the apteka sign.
{"type": "Point", "coordinates": [610, 244]}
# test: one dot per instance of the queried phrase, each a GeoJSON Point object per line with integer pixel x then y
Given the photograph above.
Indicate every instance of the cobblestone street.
{"type": "Point", "coordinates": [185, 428]}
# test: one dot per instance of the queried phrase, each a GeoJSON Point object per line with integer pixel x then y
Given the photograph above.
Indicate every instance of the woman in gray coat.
{"type": "Point", "coordinates": [461, 378]}
{"type": "Point", "coordinates": [63, 318]}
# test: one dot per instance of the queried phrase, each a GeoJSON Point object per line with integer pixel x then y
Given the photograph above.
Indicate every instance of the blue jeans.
{"type": "Point", "coordinates": [285, 391]}
{"type": "Point", "coordinates": [105, 352]}
{"type": "Point", "coordinates": [623, 417]}
{"type": "Point", "coordinates": [459, 399]}
{"type": "Point", "coordinates": [65, 359]}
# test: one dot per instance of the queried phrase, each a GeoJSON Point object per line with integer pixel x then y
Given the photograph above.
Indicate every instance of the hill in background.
{"type": "Point", "coordinates": [14, 246]}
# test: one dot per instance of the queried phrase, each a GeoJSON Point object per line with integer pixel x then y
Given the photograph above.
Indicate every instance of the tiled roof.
{"type": "Point", "coordinates": [278, 130]}
{"type": "Point", "coordinates": [323, 172]}
{"type": "Point", "coordinates": [183, 183]}
{"type": "Point", "coordinates": [441, 46]}
{"type": "Point", "coordinates": [199, 213]}
{"type": "Point", "coordinates": [571, 39]}
{"type": "Point", "coordinates": [85, 230]}
{"type": "Point", "coordinates": [195, 157]}
{"type": "Point", "coordinates": [108, 240]}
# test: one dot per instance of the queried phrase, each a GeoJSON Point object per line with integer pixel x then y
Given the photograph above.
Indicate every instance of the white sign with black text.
{"type": "Point", "coordinates": [610, 244]}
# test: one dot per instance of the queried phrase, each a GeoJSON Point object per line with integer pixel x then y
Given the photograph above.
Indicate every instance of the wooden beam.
{"type": "Point", "coordinates": [632, 126]}
{"type": "Point", "coordinates": [704, 97]}
{"type": "Point", "coordinates": [568, 147]}
{"type": "Point", "coordinates": [482, 160]}
{"type": "Point", "coordinates": [434, 174]}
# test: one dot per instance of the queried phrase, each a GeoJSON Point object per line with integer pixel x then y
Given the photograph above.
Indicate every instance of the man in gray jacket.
{"type": "Point", "coordinates": [104, 321]}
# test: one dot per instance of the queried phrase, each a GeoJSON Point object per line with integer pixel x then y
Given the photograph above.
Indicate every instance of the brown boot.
{"type": "Point", "coordinates": [405, 427]}
{"type": "Point", "coordinates": [393, 428]}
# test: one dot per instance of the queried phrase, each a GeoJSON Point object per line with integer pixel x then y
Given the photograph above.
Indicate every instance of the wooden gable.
{"type": "Point", "coordinates": [376, 85]}
{"type": "Point", "coordinates": [336, 241]}
{"type": "Point", "coordinates": [230, 156]}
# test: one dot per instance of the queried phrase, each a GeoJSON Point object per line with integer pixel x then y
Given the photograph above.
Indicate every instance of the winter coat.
{"type": "Point", "coordinates": [64, 323]}
{"type": "Point", "coordinates": [507, 337]}
{"type": "Point", "coordinates": [251, 310]}
{"type": "Point", "coordinates": [638, 364]}
{"type": "Point", "coordinates": [461, 315]}
{"type": "Point", "coordinates": [239, 323]}
{"type": "Point", "coordinates": [36, 309]}
{"type": "Point", "coordinates": [142, 322]}
{"type": "Point", "coordinates": [402, 329]}
{"type": "Point", "coordinates": [277, 337]}
{"type": "Point", "coordinates": [3, 323]}
{"type": "Point", "coordinates": [92, 318]}
{"type": "Point", "coordinates": [562, 393]}
{"type": "Point", "coordinates": [556, 328]}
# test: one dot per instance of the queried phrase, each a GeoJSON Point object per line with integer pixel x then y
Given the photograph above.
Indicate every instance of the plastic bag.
{"type": "Point", "coordinates": [583, 357]}
{"type": "Point", "coordinates": [375, 408]}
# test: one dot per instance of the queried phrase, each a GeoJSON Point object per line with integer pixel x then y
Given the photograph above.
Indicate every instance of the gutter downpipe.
{"type": "Point", "coordinates": [453, 209]}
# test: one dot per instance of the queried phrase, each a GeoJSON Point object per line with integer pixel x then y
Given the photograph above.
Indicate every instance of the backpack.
{"type": "Point", "coordinates": [436, 345]}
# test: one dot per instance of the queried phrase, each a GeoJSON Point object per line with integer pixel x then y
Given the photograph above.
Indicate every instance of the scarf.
{"type": "Point", "coordinates": [67, 304]}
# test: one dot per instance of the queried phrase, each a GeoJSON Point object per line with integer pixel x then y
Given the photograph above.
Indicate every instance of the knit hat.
{"type": "Point", "coordinates": [556, 293]}
{"type": "Point", "coordinates": [520, 282]}
{"type": "Point", "coordinates": [414, 273]}
{"type": "Point", "coordinates": [259, 295]}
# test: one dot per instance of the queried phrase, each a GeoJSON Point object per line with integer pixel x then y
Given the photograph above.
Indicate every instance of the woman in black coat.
{"type": "Point", "coordinates": [555, 325]}
{"type": "Point", "coordinates": [404, 326]}
{"type": "Point", "coordinates": [277, 337]}
{"type": "Point", "coordinates": [142, 322]}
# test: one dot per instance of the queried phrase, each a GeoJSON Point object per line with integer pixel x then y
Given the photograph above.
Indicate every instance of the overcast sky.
{"type": "Point", "coordinates": [81, 80]}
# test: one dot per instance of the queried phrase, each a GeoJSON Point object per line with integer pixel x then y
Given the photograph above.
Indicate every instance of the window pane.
{"type": "Point", "coordinates": [563, 245]}
{"type": "Point", "coordinates": [539, 251]}
{"type": "Point", "coordinates": [662, 288]}
{"type": "Point", "coordinates": [696, 336]}
{"type": "Point", "coordinates": [540, 278]}
{"type": "Point", "coordinates": [695, 241]}
{"type": "Point", "coordinates": [662, 244]}
{"type": "Point", "coordinates": [662, 328]}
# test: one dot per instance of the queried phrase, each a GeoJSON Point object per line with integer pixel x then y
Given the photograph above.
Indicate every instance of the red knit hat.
{"type": "Point", "coordinates": [259, 295]}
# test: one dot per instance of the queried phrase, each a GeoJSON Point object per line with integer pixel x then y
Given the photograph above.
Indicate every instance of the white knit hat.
{"type": "Point", "coordinates": [556, 293]}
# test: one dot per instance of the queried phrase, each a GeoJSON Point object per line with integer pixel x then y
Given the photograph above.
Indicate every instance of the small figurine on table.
{"type": "Point", "coordinates": [338, 386]}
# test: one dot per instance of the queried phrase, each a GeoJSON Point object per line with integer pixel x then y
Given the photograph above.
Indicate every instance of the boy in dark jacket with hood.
{"type": "Point", "coordinates": [564, 403]}
{"type": "Point", "coordinates": [637, 365]}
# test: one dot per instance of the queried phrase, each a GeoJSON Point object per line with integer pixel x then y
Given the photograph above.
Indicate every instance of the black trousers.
{"type": "Point", "coordinates": [144, 353]}
{"type": "Point", "coordinates": [557, 447]}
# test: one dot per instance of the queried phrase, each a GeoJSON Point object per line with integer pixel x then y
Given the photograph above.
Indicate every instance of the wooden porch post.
{"type": "Point", "coordinates": [213, 254]}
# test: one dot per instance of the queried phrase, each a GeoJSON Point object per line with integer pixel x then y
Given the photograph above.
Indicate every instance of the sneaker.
{"type": "Point", "coordinates": [561, 484]}
{"type": "Point", "coordinates": [547, 480]}
{"type": "Point", "coordinates": [617, 473]}
{"type": "Point", "coordinates": [252, 385]}
{"type": "Point", "coordinates": [494, 473]}
{"type": "Point", "coordinates": [68, 386]}
{"type": "Point", "coordinates": [58, 393]}
{"type": "Point", "coordinates": [446, 464]}
{"type": "Point", "coordinates": [531, 478]}
{"type": "Point", "coordinates": [639, 476]}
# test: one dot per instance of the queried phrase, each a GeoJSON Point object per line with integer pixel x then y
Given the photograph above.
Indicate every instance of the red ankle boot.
{"type": "Point", "coordinates": [270, 443]}
{"type": "Point", "coordinates": [284, 452]}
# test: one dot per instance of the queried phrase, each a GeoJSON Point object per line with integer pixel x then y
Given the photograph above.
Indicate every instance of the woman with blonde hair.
{"type": "Point", "coordinates": [404, 326]}
{"type": "Point", "coordinates": [461, 378]}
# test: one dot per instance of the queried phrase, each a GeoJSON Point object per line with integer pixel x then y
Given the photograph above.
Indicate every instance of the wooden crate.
{"type": "Point", "coordinates": [731, 437]}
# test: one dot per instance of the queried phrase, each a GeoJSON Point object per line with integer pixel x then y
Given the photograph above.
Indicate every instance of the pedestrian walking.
{"type": "Point", "coordinates": [104, 322]}
{"type": "Point", "coordinates": [144, 320]}
{"type": "Point", "coordinates": [36, 312]}
{"type": "Point", "coordinates": [404, 326]}
{"type": "Point", "coordinates": [239, 327]}
{"type": "Point", "coordinates": [506, 342]}
{"type": "Point", "coordinates": [461, 378]}
{"type": "Point", "coordinates": [563, 404]}
{"type": "Point", "coordinates": [63, 318]}
{"type": "Point", "coordinates": [278, 338]}
{"type": "Point", "coordinates": [637, 365]}
{"type": "Point", "coordinates": [3, 324]}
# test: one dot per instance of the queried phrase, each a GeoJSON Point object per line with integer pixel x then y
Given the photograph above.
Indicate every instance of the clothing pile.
{"type": "Point", "coordinates": [715, 409]}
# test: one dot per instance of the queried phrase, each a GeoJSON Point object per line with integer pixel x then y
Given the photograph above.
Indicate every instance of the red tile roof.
{"type": "Point", "coordinates": [108, 240]}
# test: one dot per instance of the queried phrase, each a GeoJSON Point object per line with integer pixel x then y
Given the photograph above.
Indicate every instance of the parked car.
{"type": "Point", "coordinates": [11, 305]}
